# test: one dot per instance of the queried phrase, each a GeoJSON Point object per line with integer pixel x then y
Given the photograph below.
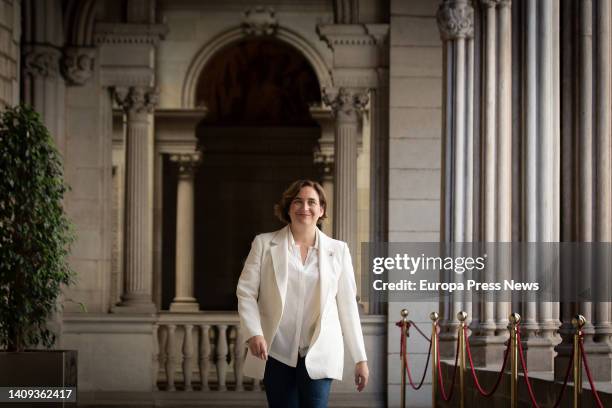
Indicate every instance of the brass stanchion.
{"type": "Point", "coordinates": [461, 316]}
{"type": "Point", "coordinates": [404, 314]}
{"type": "Point", "coordinates": [434, 316]}
{"type": "Point", "coordinates": [515, 318]}
{"type": "Point", "coordinates": [578, 323]}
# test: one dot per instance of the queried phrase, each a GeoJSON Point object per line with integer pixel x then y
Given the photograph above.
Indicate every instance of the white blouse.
{"type": "Point", "coordinates": [301, 310]}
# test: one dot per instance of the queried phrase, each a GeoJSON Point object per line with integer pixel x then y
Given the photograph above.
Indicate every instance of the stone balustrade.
{"type": "Point", "coordinates": [202, 351]}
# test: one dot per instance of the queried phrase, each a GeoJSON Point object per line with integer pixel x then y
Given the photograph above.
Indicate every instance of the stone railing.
{"type": "Point", "coordinates": [201, 351]}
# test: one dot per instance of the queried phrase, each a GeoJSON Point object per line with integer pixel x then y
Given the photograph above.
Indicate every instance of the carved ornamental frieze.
{"type": "Point", "coordinates": [455, 20]}
{"type": "Point", "coordinates": [41, 61]}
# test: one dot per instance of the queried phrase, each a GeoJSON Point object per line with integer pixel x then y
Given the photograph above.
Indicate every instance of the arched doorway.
{"type": "Point", "coordinates": [258, 136]}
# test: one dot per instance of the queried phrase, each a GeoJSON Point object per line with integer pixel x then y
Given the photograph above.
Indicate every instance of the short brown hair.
{"type": "Point", "coordinates": [281, 209]}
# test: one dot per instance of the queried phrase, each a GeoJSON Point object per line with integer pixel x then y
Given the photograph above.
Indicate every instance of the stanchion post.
{"type": "Point", "coordinates": [515, 319]}
{"type": "Point", "coordinates": [434, 316]}
{"type": "Point", "coordinates": [404, 314]}
{"type": "Point", "coordinates": [461, 316]}
{"type": "Point", "coordinates": [578, 322]}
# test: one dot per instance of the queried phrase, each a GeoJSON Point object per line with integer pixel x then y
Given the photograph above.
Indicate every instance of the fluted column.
{"type": "Point", "coordinates": [347, 105]}
{"type": "Point", "coordinates": [540, 169]}
{"type": "Point", "coordinates": [138, 104]}
{"type": "Point", "coordinates": [568, 183]}
{"type": "Point", "coordinates": [487, 346]}
{"type": "Point", "coordinates": [585, 147]}
{"type": "Point", "coordinates": [601, 350]}
{"type": "Point", "coordinates": [455, 21]}
{"type": "Point", "coordinates": [184, 301]}
{"type": "Point", "coordinates": [504, 151]}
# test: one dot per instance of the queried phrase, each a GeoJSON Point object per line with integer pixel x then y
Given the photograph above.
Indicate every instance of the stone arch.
{"type": "Point", "coordinates": [79, 20]}
{"type": "Point", "coordinates": [235, 34]}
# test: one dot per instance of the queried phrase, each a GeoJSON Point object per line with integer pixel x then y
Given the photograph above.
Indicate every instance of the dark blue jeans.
{"type": "Point", "coordinates": [291, 387]}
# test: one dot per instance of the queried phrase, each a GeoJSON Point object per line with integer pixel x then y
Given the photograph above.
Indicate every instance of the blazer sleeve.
{"type": "Point", "coordinates": [347, 309]}
{"type": "Point", "coordinates": [248, 291]}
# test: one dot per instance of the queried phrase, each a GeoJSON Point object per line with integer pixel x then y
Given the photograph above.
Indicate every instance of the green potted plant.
{"type": "Point", "coordinates": [35, 236]}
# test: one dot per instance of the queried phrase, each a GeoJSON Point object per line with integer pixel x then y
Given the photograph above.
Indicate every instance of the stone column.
{"type": "Point", "coordinates": [567, 181]}
{"type": "Point", "coordinates": [184, 301]}
{"type": "Point", "coordinates": [43, 87]}
{"type": "Point", "coordinates": [601, 351]}
{"type": "Point", "coordinates": [138, 104]}
{"type": "Point", "coordinates": [324, 161]}
{"type": "Point", "coordinates": [540, 174]}
{"type": "Point", "coordinates": [504, 151]}
{"type": "Point", "coordinates": [585, 146]}
{"type": "Point", "coordinates": [347, 105]}
{"type": "Point", "coordinates": [455, 21]}
{"type": "Point", "coordinates": [323, 157]}
{"type": "Point", "coordinates": [486, 345]}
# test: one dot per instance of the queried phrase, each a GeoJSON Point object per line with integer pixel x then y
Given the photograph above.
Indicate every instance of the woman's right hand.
{"type": "Point", "coordinates": [258, 347]}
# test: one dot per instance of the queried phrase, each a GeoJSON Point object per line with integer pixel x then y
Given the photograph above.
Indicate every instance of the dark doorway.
{"type": "Point", "coordinates": [256, 139]}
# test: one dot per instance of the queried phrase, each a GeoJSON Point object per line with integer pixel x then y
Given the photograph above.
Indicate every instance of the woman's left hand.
{"type": "Point", "coordinates": [361, 375]}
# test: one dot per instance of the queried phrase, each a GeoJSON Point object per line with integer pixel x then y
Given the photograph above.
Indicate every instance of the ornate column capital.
{"type": "Point", "coordinates": [186, 162]}
{"type": "Point", "coordinates": [345, 103]}
{"type": "Point", "coordinates": [455, 19]}
{"type": "Point", "coordinates": [77, 64]}
{"type": "Point", "coordinates": [493, 3]}
{"type": "Point", "coordinates": [136, 99]}
{"type": "Point", "coordinates": [41, 61]}
{"type": "Point", "coordinates": [504, 3]}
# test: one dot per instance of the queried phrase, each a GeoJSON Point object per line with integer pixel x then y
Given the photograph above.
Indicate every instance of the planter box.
{"type": "Point", "coordinates": [38, 368]}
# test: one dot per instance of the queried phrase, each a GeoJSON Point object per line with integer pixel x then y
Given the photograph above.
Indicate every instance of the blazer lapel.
{"type": "Point", "coordinates": [325, 269]}
{"type": "Point", "coordinates": [278, 251]}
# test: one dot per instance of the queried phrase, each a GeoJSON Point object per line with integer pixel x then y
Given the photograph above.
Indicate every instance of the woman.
{"type": "Point", "coordinates": [296, 301]}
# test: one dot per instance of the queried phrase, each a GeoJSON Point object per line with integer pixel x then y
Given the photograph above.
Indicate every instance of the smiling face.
{"type": "Point", "coordinates": [305, 208]}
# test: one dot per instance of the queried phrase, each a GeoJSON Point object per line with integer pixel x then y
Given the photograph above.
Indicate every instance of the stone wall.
{"type": "Point", "coordinates": [414, 163]}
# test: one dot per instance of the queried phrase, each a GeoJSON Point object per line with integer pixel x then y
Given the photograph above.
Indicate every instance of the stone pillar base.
{"type": "Point", "coordinates": [184, 305]}
{"type": "Point", "coordinates": [599, 356]}
{"type": "Point", "coordinates": [448, 341]}
{"type": "Point", "coordinates": [134, 308]}
{"type": "Point", "coordinates": [539, 354]}
{"type": "Point", "coordinates": [488, 350]}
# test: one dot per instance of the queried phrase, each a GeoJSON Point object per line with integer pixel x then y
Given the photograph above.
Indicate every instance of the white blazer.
{"type": "Point", "coordinates": [262, 289]}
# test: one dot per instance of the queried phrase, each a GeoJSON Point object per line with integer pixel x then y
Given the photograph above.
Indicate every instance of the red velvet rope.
{"type": "Point", "coordinates": [407, 367]}
{"type": "Point", "coordinates": [419, 330]}
{"type": "Point", "coordinates": [476, 382]}
{"type": "Point", "coordinates": [416, 387]}
{"type": "Point", "coordinates": [589, 375]}
{"type": "Point", "coordinates": [526, 373]}
{"type": "Point", "coordinates": [452, 389]}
